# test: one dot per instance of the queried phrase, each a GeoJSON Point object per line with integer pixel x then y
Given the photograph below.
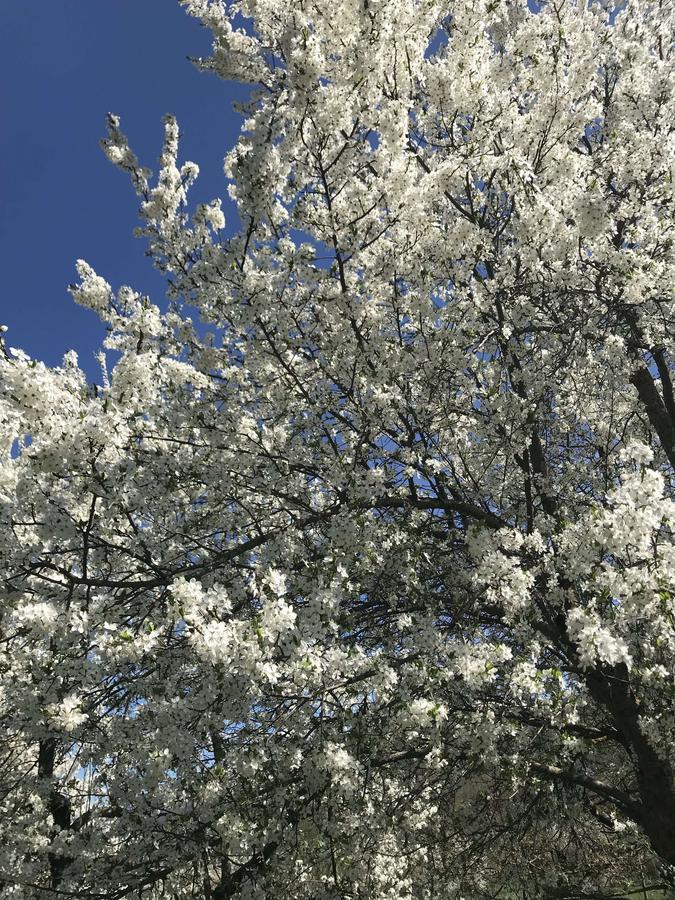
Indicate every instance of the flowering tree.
{"type": "Point", "coordinates": [368, 590]}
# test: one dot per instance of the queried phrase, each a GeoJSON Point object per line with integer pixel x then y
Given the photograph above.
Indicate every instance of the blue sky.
{"type": "Point", "coordinates": [63, 65]}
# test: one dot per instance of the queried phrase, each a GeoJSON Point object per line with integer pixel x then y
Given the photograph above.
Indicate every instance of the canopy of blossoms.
{"type": "Point", "coordinates": [354, 577]}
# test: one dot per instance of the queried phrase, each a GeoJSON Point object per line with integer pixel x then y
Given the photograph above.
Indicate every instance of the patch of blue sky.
{"type": "Point", "coordinates": [439, 39]}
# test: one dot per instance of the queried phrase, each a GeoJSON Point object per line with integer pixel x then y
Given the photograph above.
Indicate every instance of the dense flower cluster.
{"type": "Point", "coordinates": [368, 590]}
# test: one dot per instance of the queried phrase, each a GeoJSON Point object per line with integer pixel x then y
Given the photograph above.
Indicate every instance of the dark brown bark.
{"type": "Point", "coordinates": [655, 777]}
{"type": "Point", "coordinates": [229, 884]}
{"type": "Point", "coordinates": [58, 804]}
{"type": "Point", "coordinates": [656, 410]}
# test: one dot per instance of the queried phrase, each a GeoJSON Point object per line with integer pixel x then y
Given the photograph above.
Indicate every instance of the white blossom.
{"type": "Point", "coordinates": [67, 714]}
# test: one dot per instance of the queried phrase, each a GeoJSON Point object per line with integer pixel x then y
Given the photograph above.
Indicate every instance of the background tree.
{"type": "Point", "coordinates": [366, 591]}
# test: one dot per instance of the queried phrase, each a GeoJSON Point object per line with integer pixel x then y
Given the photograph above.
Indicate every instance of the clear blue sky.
{"type": "Point", "coordinates": [63, 65]}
